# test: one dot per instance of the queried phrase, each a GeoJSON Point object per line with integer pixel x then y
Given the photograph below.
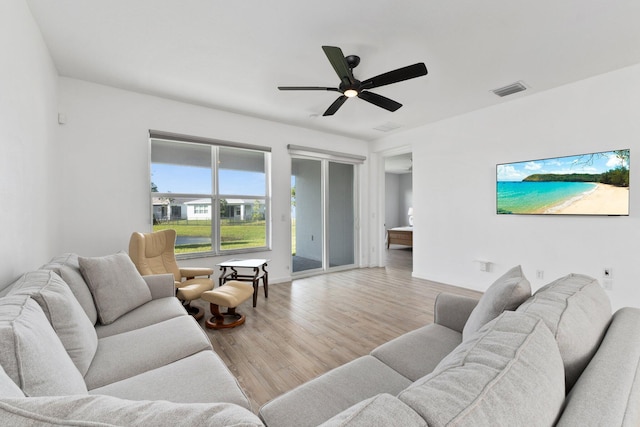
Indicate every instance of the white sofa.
{"type": "Point", "coordinates": [73, 354]}
{"type": "Point", "coordinates": [122, 352]}
{"type": "Point", "coordinates": [510, 359]}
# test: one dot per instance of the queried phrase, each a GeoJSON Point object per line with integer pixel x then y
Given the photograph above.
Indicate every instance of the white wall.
{"type": "Point", "coordinates": [406, 197]}
{"type": "Point", "coordinates": [392, 200]}
{"type": "Point", "coordinates": [398, 199]}
{"type": "Point", "coordinates": [455, 160]}
{"type": "Point", "coordinates": [27, 125]}
{"type": "Point", "coordinates": [103, 165]}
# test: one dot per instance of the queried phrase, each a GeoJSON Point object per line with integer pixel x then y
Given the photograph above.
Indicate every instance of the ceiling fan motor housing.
{"type": "Point", "coordinates": [352, 61]}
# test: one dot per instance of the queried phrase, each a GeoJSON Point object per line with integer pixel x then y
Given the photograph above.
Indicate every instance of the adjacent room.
{"type": "Point", "coordinates": [362, 186]}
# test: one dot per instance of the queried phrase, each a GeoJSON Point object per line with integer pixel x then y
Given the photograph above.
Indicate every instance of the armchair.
{"type": "Point", "coordinates": [154, 253]}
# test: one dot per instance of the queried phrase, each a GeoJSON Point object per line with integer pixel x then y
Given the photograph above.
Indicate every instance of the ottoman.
{"type": "Point", "coordinates": [230, 295]}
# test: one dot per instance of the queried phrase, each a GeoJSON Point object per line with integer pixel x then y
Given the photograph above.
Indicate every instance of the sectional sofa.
{"type": "Point", "coordinates": [509, 359]}
{"type": "Point", "coordinates": [87, 341]}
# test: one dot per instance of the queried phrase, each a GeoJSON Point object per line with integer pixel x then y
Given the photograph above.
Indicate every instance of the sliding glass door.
{"type": "Point", "coordinates": [323, 215]}
{"type": "Point", "coordinates": [340, 214]}
{"type": "Point", "coordinates": [306, 215]}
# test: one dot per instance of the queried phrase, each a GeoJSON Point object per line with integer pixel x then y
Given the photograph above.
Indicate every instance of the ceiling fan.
{"type": "Point", "coordinates": [351, 87]}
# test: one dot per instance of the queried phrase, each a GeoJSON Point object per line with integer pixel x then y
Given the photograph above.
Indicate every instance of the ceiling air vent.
{"type": "Point", "coordinates": [510, 89]}
{"type": "Point", "coordinates": [387, 127]}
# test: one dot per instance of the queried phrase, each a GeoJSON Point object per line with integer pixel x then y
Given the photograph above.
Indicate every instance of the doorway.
{"type": "Point", "coordinates": [398, 171]}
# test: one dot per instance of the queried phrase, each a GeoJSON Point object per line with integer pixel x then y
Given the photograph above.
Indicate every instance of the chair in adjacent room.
{"type": "Point", "coordinates": [154, 253]}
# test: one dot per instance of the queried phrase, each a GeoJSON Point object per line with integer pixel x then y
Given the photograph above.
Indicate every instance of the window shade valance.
{"type": "Point", "coordinates": [325, 154]}
{"type": "Point", "coordinates": [169, 136]}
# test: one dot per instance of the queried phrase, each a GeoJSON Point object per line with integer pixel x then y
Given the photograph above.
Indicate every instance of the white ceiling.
{"type": "Point", "coordinates": [232, 55]}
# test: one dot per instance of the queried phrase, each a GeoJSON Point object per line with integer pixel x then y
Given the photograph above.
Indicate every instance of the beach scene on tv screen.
{"type": "Point", "coordinates": [586, 184]}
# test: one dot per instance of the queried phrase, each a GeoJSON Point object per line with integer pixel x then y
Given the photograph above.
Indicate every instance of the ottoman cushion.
{"type": "Point", "coordinates": [231, 294]}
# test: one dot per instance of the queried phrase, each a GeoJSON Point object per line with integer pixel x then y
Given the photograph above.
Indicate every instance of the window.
{"type": "Point", "coordinates": [214, 194]}
{"type": "Point", "coordinates": [201, 209]}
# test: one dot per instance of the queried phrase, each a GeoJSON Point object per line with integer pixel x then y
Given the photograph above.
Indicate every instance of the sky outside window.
{"type": "Point", "coordinates": [196, 180]}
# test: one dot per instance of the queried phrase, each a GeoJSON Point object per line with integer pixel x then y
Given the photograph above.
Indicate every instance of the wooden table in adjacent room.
{"type": "Point", "coordinates": [259, 266]}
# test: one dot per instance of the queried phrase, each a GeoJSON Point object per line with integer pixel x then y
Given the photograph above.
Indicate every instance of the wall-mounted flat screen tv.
{"type": "Point", "coordinates": [585, 184]}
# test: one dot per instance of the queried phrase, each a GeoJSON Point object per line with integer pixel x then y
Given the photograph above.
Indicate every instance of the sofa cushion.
{"type": "Point", "coordinates": [131, 353]}
{"type": "Point", "coordinates": [7, 387]}
{"type": "Point", "coordinates": [150, 313]}
{"type": "Point", "coordinates": [506, 293]}
{"type": "Point", "coordinates": [318, 400]}
{"type": "Point", "coordinates": [200, 378]}
{"type": "Point", "coordinates": [31, 352]}
{"type": "Point", "coordinates": [115, 284]}
{"type": "Point", "coordinates": [67, 267]}
{"type": "Point", "coordinates": [577, 311]}
{"type": "Point", "coordinates": [91, 411]}
{"type": "Point", "coordinates": [381, 410]}
{"type": "Point", "coordinates": [608, 391]}
{"type": "Point", "coordinates": [509, 373]}
{"type": "Point", "coordinates": [64, 312]}
{"type": "Point", "coordinates": [416, 353]}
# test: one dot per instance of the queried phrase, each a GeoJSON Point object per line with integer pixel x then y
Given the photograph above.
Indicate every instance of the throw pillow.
{"type": "Point", "coordinates": [7, 387]}
{"type": "Point", "coordinates": [32, 354]}
{"type": "Point", "coordinates": [507, 374]}
{"type": "Point", "coordinates": [64, 312]}
{"type": "Point", "coordinates": [506, 293]}
{"type": "Point", "coordinates": [116, 285]}
{"type": "Point", "coordinates": [67, 267]}
{"type": "Point", "coordinates": [577, 311]}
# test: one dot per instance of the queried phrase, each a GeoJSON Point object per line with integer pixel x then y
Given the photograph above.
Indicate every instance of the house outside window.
{"type": "Point", "coordinates": [214, 194]}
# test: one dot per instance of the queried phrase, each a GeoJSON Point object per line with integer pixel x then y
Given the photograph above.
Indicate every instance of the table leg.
{"type": "Point", "coordinates": [265, 280]}
{"type": "Point", "coordinates": [256, 271]}
{"type": "Point", "coordinates": [223, 271]}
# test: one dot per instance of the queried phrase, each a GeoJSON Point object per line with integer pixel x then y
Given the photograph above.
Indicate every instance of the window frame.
{"type": "Point", "coordinates": [215, 196]}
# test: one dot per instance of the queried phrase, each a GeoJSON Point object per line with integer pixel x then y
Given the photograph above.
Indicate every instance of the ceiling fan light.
{"type": "Point", "coordinates": [350, 93]}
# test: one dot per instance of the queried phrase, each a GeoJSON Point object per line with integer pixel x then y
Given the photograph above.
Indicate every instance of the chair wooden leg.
{"type": "Point", "coordinates": [217, 320]}
{"type": "Point", "coordinates": [196, 312]}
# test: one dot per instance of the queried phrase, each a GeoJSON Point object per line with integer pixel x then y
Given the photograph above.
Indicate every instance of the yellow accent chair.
{"type": "Point", "coordinates": [154, 253]}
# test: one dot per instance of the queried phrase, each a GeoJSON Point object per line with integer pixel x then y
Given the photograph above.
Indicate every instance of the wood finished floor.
{"type": "Point", "coordinates": [312, 325]}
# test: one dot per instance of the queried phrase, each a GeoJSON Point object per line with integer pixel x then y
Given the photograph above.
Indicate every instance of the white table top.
{"type": "Point", "coordinates": [244, 263]}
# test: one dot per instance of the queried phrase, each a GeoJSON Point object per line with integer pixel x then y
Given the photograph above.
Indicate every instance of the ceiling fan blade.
{"type": "Point", "coordinates": [379, 100]}
{"type": "Point", "coordinates": [404, 73]}
{"type": "Point", "coordinates": [336, 58]}
{"type": "Point", "coordinates": [335, 106]}
{"type": "Point", "coordinates": [332, 89]}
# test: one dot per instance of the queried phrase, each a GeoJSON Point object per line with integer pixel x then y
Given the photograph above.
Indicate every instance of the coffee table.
{"type": "Point", "coordinates": [229, 271]}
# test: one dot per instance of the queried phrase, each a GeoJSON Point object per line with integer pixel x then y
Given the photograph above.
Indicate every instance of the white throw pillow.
{"type": "Point", "coordinates": [67, 267]}
{"type": "Point", "coordinates": [64, 312]}
{"type": "Point", "coordinates": [577, 311]}
{"type": "Point", "coordinates": [506, 293]}
{"type": "Point", "coordinates": [7, 387]}
{"type": "Point", "coordinates": [31, 354]}
{"type": "Point", "coordinates": [115, 284]}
